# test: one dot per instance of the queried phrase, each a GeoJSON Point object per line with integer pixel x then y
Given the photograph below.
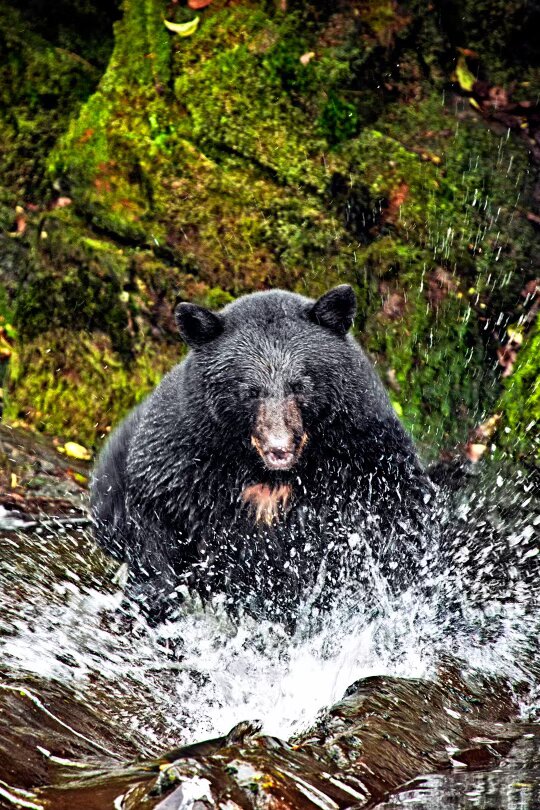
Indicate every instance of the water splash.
{"type": "Point", "coordinates": [476, 600]}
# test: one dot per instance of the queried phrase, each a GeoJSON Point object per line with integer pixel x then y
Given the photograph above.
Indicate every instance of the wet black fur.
{"type": "Point", "coordinates": [167, 491]}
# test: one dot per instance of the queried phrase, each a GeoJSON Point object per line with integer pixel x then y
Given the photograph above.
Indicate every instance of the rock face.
{"type": "Point", "coordinates": [295, 147]}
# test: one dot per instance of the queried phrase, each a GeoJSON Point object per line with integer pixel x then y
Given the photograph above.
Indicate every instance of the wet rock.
{"type": "Point", "coordinates": [37, 480]}
{"type": "Point", "coordinates": [384, 732]}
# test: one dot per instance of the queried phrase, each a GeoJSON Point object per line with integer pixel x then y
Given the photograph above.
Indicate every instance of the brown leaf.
{"type": "Point", "coordinates": [394, 306]}
{"type": "Point", "coordinates": [62, 202]}
{"type": "Point", "coordinates": [507, 356]}
{"type": "Point", "coordinates": [440, 284]}
{"type": "Point", "coordinates": [532, 287]}
{"type": "Point", "coordinates": [498, 96]}
{"type": "Point", "coordinates": [398, 196]}
{"type": "Point", "coordinates": [20, 221]}
{"type": "Point", "coordinates": [474, 452]}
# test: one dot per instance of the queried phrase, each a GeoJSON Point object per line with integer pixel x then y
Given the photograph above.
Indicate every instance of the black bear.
{"type": "Point", "coordinates": [265, 466]}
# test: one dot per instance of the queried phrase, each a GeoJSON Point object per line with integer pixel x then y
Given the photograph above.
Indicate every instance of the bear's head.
{"type": "Point", "coordinates": [271, 368]}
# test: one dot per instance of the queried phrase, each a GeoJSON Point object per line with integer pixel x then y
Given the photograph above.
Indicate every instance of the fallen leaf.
{"type": "Point", "coordinates": [394, 306]}
{"type": "Point", "coordinates": [463, 75]}
{"type": "Point", "coordinates": [78, 477]}
{"type": "Point", "coordinates": [468, 52]}
{"type": "Point", "coordinates": [397, 197]}
{"type": "Point", "coordinates": [183, 29]}
{"type": "Point", "coordinates": [62, 202]}
{"type": "Point", "coordinates": [474, 452]}
{"type": "Point", "coordinates": [440, 284]}
{"type": "Point", "coordinates": [498, 96]}
{"type": "Point", "coordinates": [484, 431]}
{"type": "Point", "coordinates": [515, 336]}
{"type": "Point", "coordinates": [507, 356]}
{"type": "Point", "coordinates": [307, 57]}
{"type": "Point", "coordinates": [20, 221]}
{"type": "Point", "coordinates": [75, 450]}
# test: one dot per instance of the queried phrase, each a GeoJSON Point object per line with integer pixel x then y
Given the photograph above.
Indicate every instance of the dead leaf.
{"type": "Point", "coordinates": [468, 52]}
{"type": "Point", "coordinates": [183, 29]}
{"type": "Point", "coordinates": [484, 432]}
{"type": "Point", "coordinates": [474, 452]}
{"type": "Point", "coordinates": [463, 75]}
{"type": "Point", "coordinates": [440, 284]}
{"type": "Point", "coordinates": [507, 356]}
{"type": "Point", "coordinates": [62, 202]}
{"type": "Point", "coordinates": [20, 219]}
{"type": "Point", "coordinates": [498, 96]}
{"type": "Point", "coordinates": [75, 450]}
{"type": "Point", "coordinates": [306, 58]}
{"type": "Point", "coordinates": [398, 195]}
{"type": "Point", "coordinates": [394, 306]}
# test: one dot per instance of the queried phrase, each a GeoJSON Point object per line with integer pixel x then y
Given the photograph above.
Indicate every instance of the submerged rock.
{"type": "Point", "coordinates": [384, 732]}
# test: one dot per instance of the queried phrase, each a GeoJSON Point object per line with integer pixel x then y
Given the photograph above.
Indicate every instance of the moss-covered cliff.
{"type": "Point", "coordinates": [290, 145]}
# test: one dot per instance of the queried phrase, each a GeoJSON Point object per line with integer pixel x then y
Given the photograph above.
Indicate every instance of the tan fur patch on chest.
{"type": "Point", "coordinates": [267, 503]}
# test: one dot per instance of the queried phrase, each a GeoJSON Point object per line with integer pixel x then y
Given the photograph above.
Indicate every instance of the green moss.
{"type": "Point", "coordinates": [256, 119]}
{"type": "Point", "coordinates": [453, 249]}
{"type": "Point", "coordinates": [73, 282]}
{"type": "Point", "coordinates": [40, 87]}
{"type": "Point", "coordinates": [338, 120]}
{"type": "Point", "coordinates": [72, 384]}
{"type": "Point", "coordinates": [520, 402]}
{"type": "Point", "coordinates": [209, 166]}
{"type": "Point", "coordinates": [107, 156]}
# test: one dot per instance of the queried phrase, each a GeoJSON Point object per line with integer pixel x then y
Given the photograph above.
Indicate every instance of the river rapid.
{"type": "Point", "coordinates": [68, 631]}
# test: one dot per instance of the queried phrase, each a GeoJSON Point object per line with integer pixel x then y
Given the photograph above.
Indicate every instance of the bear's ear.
{"type": "Point", "coordinates": [335, 310]}
{"type": "Point", "coordinates": [197, 325]}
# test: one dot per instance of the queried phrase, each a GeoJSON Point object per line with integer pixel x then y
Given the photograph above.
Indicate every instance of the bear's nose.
{"type": "Point", "coordinates": [279, 451]}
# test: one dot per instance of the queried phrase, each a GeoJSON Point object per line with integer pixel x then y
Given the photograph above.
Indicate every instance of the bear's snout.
{"type": "Point", "coordinates": [279, 436]}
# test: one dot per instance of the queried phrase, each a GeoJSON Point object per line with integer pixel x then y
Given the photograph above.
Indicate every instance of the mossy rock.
{"type": "Point", "coordinates": [520, 403]}
{"type": "Point", "coordinates": [72, 384]}
{"type": "Point", "coordinates": [40, 87]}
{"type": "Point", "coordinates": [297, 149]}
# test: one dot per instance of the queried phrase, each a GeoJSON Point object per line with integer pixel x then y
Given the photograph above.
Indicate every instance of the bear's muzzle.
{"type": "Point", "coordinates": [279, 436]}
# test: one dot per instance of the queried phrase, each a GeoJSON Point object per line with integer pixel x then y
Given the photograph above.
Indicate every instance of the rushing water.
{"type": "Point", "coordinates": [513, 785]}
{"type": "Point", "coordinates": [64, 618]}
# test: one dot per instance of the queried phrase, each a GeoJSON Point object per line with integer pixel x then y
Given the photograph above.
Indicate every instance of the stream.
{"type": "Point", "coordinates": [442, 679]}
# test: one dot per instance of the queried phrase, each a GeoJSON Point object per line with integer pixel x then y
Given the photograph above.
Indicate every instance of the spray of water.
{"type": "Point", "coordinates": [199, 675]}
